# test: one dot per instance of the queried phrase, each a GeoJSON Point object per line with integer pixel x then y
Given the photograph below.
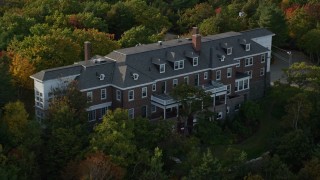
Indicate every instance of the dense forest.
{"type": "Point", "coordinates": [41, 34]}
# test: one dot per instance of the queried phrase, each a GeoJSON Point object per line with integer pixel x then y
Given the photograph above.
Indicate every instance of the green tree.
{"type": "Point", "coordinates": [138, 35]}
{"type": "Point", "coordinates": [274, 168]}
{"type": "Point", "coordinates": [311, 169]}
{"type": "Point", "coordinates": [15, 119]}
{"type": "Point", "coordinates": [298, 110]}
{"type": "Point", "coordinates": [114, 136]}
{"type": "Point", "coordinates": [155, 167]}
{"type": "Point", "coordinates": [212, 25]}
{"type": "Point", "coordinates": [299, 24]}
{"type": "Point", "coordinates": [192, 99]}
{"type": "Point", "coordinates": [209, 168]}
{"type": "Point", "coordinates": [271, 17]}
{"type": "Point", "coordinates": [7, 90]}
{"type": "Point", "coordinates": [310, 44]}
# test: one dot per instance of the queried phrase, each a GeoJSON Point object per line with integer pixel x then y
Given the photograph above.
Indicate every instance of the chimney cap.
{"type": "Point", "coordinates": [195, 30]}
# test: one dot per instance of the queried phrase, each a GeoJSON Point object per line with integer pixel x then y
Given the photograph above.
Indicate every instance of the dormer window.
{"type": "Point", "coordinates": [195, 61]}
{"type": "Point", "coordinates": [162, 68]}
{"type": "Point", "coordinates": [229, 51]}
{"type": "Point", "coordinates": [101, 77]}
{"type": "Point", "coordinates": [178, 65]}
{"type": "Point", "coordinates": [135, 76]}
{"type": "Point", "coordinates": [222, 58]}
{"type": "Point", "coordinates": [247, 47]}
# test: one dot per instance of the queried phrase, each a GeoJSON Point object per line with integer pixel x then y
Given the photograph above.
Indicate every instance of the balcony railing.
{"type": "Point", "coordinates": [214, 87]}
{"type": "Point", "coordinates": [163, 99]}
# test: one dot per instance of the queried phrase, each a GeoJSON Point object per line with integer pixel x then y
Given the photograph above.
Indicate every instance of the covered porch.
{"type": "Point", "coordinates": [169, 106]}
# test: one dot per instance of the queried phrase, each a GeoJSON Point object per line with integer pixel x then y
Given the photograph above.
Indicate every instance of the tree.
{"type": "Point", "coordinates": [212, 25]}
{"type": "Point", "coordinates": [15, 119]}
{"type": "Point", "coordinates": [66, 130]}
{"type": "Point", "coordinates": [299, 24]}
{"type": "Point", "coordinates": [298, 109]}
{"type": "Point", "coordinates": [87, 20]}
{"type": "Point", "coordinates": [209, 168]}
{"type": "Point", "coordinates": [95, 166]}
{"type": "Point", "coordinates": [271, 17]}
{"type": "Point", "coordinates": [274, 168]}
{"type": "Point", "coordinates": [138, 35]}
{"type": "Point", "coordinates": [114, 136]}
{"type": "Point", "coordinates": [311, 169]}
{"type": "Point", "coordinates": [192, 99]}
{"type": "Point", "coordinates": [310, 44]}
{"type": "Point", "coordinates": [7, 90]}
{"type": "Point", "coordinates": [155, 167]}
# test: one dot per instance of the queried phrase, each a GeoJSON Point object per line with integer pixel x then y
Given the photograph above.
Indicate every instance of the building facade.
{"type": "Point", "coordinates": [233, 66]}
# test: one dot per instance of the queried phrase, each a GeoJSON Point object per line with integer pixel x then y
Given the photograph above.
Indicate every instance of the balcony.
{"type": "Point", "coordinates": [163, 99]}
{"type": "Point", "coordinates": [215, 88]}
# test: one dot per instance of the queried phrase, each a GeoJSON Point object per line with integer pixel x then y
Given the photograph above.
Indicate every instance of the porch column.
{"type": "Point", "coordinates": [178, 110]}
{"type": "Point", "coordinates": [164, 113]}
{"type": "Point", "coordinates": [225, 98]}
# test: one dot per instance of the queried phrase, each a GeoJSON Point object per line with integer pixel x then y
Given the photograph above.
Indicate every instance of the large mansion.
{"type": "Point", "coordinates": [233, 66]}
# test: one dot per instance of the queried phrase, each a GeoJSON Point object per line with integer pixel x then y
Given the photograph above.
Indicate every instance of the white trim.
{"type": "Point", "coordinates": [154, 87]}
{"type": "Point", "coordinates": [228, 72]}
{"type": "Point", "coordinates": [118, 99]}
{"type": "Point", "coordinates": [250, 55]}
{"type": "Point", "coordinates": [146, 91]}
{"type": "Point", "coordinates": [175, 82]}
{"type": "Point", "coordinates": [219, 75]}
{"type": "Point", "coordinates": [99, 106]}
{"type": "Point", "coordinates": [205, 75]}
{"type": "Point", "coordinates": [163, 79]}
{"type": "Point", "coordinates": [129, 92]}
{"type": "Point", "coordinates": [105, 92]}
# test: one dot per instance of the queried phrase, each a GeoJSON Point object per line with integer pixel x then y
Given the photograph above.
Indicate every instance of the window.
{"type": "Point", "coordinates": [154, 87]}
{"type": "Point", "coordinates": [103, 111]}
{"type": "Point", "coordinates": [262, 71]}
{"type": "Point", "coordinates": [131, 113]}
{"type": "Point", "coordinates": [229, 51]}
{"type": "Point", "coordinates": [92, 115]}
{"type": "Point", "coordinates": [218, 75]}
{"type": "Point", "coordinates": [263, 58]}
{"type": "Point", "coordinates": [238, 64]}
{"type": "Point", "coordinates": [219, 115]}
{"type": "Point", "coordinates": [222, 58]}
{"type": "Point", "coordinates": [144, 92]}
{"type": "Point", "coordinates": [195, 61]}
{"type": "Point", "coordinates": [237, 107]}
{"type": "Point", "coordinates": [118, 95]}
{"type": "Point", "coordinates": [229, 72]}
{"type": "Point", "coordinates": [249, 73]}
{"type": "Point", "coordinates": [153, 108]}
{"type": "Point", "coordinates": [186, 80]}
{"type": "Point", "coordinates": [103, 94]}
{"type": "Point", "coordinates": [205, 75]}
{"type": "Point", "coordinates": [89, 96]}
{"type": "Point", "coordinates": [39, 99]}
{"type": "Point", "coordinates": [135, 76]}
{"type": "Point", "coordinates": [175, 82]}
{"type": "Point", "coordinates": [241, 85]}
{"type": "Point", "coordinates": [249, 61]}
{"type": "Point", "coordinates": [178, 64]}
{"type": "Point", "coordinates": [162, 68]}
{"type": "Point", "coordinates": [247, 47]}
{"type": "Point", "coordinates": [228, 88]}
{"type": "Point", "coordinates": [196, 80]}
{"type": "Point", "coordinates": [130, 95]}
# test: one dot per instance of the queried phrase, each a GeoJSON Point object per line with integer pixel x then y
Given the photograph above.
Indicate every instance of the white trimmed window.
{"type": "Point", "coordinates": [92, 115]}
{"type": "Point", "coordinates": [249, 61]}
{"type": "Point", "coordinates": [238, 64]}
{"type": "Point", "coordinates": [229, 72]}
{"type": "Point", "coordinates": [175, 82]}
{"type": "Point", "coordinates": [39, 99]}
{"type": "Point", "coordinates": [118, 94]}
{"type": "Point", "coordinates": [229, 51]}
{"type": "Point", "coordinates": [205, 75]}
{"type": "Point", "coordinates": [154, 87]}
{"type": "Point", "coordinates": [103, 94]}
{"type": "Point", "coordinates": [162, 68]}
{"type": "Point", "coordinates": [247, 47]}
{"type": "Point", "coordinates": [178, 65]}
{"type": "Point", "coordinates": [103, 111]}
{"type": "Point", "coordinates": [131, 95]}
{"type": "Point", "coordinates": [263, 58]}
{"type": "Point", "coordinates": [153, 108]}
{"type": "Point", "coordinates": [144, 92]}
{"type": "Point", "coordinates": [131, 113]}
{"type": "Point", "coordinates": [241, 85]}
{"type": "Point", "coordinates": [262, 71]}
{"type": "Point", "coordinates": [186, 80]}
{"type": "Point", "coordinates": [249, 73]}
{"type": "Point", "coordinates": [218, 75]}
{"type": "Point", "coordinates": [89, 96]}
{"type": "Point", "coordinates": [228, 88]}
{"type": "Point", "coordinates": [195, 61]}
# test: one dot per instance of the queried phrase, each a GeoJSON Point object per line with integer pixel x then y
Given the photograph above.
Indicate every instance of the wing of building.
{"type": "Point", "coordinates": [233, 66]}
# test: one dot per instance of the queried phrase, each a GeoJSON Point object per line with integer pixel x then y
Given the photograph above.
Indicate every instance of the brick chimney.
{"type": "Point", "coordinates": [87, 50]}
{"type": "Point", "coordinates": [196, 39]}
